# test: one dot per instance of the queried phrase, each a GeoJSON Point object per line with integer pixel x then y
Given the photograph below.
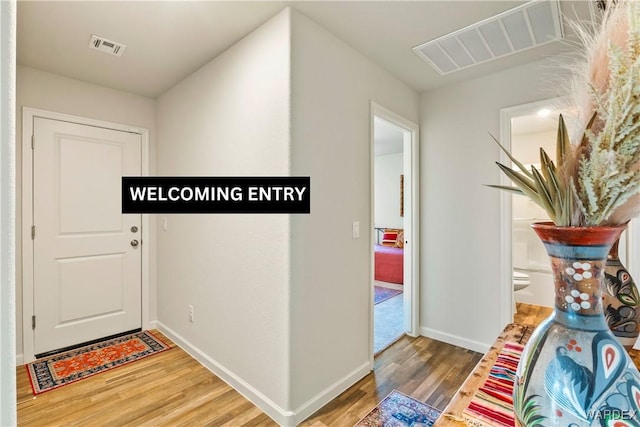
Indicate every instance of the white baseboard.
{"type": "Point", "coordinates": [19, 359]}
{"type": "Point", "coordinates": [454, 340]}
{"type": "Point", "coordinates": [330, 393]}
{"type": "Point", "coordinates": [153, 324]}
{"type": "Point", "coordinates": [279, 415]}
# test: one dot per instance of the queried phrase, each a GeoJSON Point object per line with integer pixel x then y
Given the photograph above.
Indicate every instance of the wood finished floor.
{"type": "Point", "coordinates": [167, 389]}
{"type": "Point", "coordinates": [172, 389]}
{"type": "Point", "coordinates": [427, 370]}
{"type": "Point", "coordinates": [531, 314]}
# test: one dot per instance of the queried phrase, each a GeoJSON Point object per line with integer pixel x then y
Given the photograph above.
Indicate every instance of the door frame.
{"type": "Point", "coordinates": [8, 188]}
{"type": "Point", "coordinates": [28, 116]}
{"type": "Point", "coordinates": [506, 263]}
{"type": "Point", "coordinates": [506, 307]}
{"type": "Point", "coordinates": [411, 302]}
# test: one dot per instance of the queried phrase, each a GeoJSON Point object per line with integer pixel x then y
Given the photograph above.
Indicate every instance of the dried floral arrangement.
{"type": "Point", "coordinates": [595, 180]}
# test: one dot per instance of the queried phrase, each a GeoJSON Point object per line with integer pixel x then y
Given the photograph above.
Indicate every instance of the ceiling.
{"type": "Point", "coordinates": [168, 40]}
{"type": "Point", "coordinates": [545, 119]}
{"type": "Point", "coordinates": [533, 123]}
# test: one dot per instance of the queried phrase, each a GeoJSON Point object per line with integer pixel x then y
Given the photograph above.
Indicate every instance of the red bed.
{"type": "Point", "coordinates": [389, 264]}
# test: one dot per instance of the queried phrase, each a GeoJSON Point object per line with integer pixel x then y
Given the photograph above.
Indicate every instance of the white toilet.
{"type": "Point", "coordinates": [520, 281]}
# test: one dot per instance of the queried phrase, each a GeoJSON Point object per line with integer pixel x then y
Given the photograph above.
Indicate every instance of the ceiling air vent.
{"type": "Point", "coordinates": [107, 46]}
{"type": "Point", "coordinates": [530, 25]}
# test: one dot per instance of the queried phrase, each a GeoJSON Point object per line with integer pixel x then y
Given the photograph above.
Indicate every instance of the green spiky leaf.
{"type": "Point", "coordinates": [563, 144]}
{"type": "Point", "coordinates": [525, 184]}
{"type": "Point", "coordinates": [550, 174]}
{"type": "Point", "coordinates": [543, 193]}
{"type": "Point", "coordinates": [515, 190]}
{"type": "Point", "coordinates": [513, 159]}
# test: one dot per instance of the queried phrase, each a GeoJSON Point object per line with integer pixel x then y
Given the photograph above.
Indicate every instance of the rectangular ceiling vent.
{"type": "Point", "coordinates": [524, 27]}
{"type": "Point", "coordinates": [107, 46]}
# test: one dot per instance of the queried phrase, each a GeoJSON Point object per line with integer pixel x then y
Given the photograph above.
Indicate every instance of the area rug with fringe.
{"type": "Point", "coordinates": [492, 404]}
{"type": "Point", "coordinates": [400, 410]}
{"type": "Point", "coordinates": [65, 368]}
{"type": "Point", "coordinates": [383, 294]}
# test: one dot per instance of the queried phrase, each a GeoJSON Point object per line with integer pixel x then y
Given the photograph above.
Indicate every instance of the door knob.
{"type": "Point", "coordinates": [134, 243]}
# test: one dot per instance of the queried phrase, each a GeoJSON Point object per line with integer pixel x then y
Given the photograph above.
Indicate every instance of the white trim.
{"type": "Point", "coordinates": [372, 237]}
{"type": "Point", "coordinates": [412, 206]}
{"type": "Point", "coordinates": [8, 414]}
{"type": "Point", "coordinates": [308, 408]}
{"type": "Point", "coordinates": [28, 115]}
{"type": "Point", "coordinates": [454, 340]}
{"type": "Point", "coordinates": [19, 360]}
{"type": "Point", "coordinates": [278, 414]}
{"type": "Point", "coordinates": [506, 303]}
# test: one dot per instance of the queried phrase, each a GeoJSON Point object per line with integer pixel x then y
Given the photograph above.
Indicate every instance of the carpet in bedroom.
{"type": "Point", "coordinates": [387, 323]}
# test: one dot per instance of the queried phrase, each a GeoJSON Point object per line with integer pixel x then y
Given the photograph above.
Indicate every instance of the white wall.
{"type": "Point", "coordinates": [231, 118]}
{"type": "Point", "coordinates": [332, 86]}
{"type": "Point", "coordinates": [529, 255]}
{"type": "Point", "coordinates": [387, 171]}
{"type": "Point", "coordinates": [526, 146]}
{"type": "Point", "coordinates": [7, 212]}
{"type": "Point", "coordinates": [46, 91]}
{"type": "Point", "coordinates": [267, 319]}
{"type": "Point", "coordinates": [460, 218]}
{"type": "Point", "coordinates": [269, 287]}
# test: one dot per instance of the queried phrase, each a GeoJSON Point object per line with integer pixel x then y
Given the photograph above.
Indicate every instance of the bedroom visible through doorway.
{"type": "Point", "coordinates": [392, 217]}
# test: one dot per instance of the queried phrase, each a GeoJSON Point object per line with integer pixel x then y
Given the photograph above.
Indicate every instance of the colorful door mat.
{"type": "Point", "coordinates": [382, 294]}
{"type": "Point", "coordinates": [73, 365]}
{"type": "Point", "coordinates": [492, 405]}
{"type": "Point", "coordinates": [400, 410]}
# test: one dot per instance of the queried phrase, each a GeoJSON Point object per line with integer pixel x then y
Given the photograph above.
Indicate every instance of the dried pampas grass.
{"type": "Point", "coordinates": [605, 172]}
{"type": "Point", "coordinates": [596, 178]}
{"type": "Point", "coordinates": [590, 72]}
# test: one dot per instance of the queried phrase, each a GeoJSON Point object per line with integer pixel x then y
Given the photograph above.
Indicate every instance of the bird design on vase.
{"type": "Point", "coordinates": [595, 397]}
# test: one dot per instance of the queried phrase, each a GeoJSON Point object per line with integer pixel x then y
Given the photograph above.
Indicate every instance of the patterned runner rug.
{"type": "Point", "coordinates": [400, 410]}
{"type": "Point", "coordinates": [64, 368]}
{"type": "Point", "coordinates": [492, 405]}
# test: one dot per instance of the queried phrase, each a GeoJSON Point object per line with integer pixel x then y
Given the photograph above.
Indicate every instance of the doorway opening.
{"type": "Point", "coordinates": [526, 274]}
{"type": "Point", "coordinates": [394, 215]}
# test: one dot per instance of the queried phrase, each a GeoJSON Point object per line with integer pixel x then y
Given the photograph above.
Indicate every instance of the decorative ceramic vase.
{"type": "Point", "coordinates": [573, 371]}
{"type": "Point", "coordinates": [620, 300]}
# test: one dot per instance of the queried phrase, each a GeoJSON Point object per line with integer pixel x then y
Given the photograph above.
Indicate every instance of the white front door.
{"type": "Point", "coordinates": [87, 264]}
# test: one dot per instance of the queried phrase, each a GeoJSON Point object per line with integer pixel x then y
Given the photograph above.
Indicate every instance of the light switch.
{"type": "Point", "coordinates": [356, 229]}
